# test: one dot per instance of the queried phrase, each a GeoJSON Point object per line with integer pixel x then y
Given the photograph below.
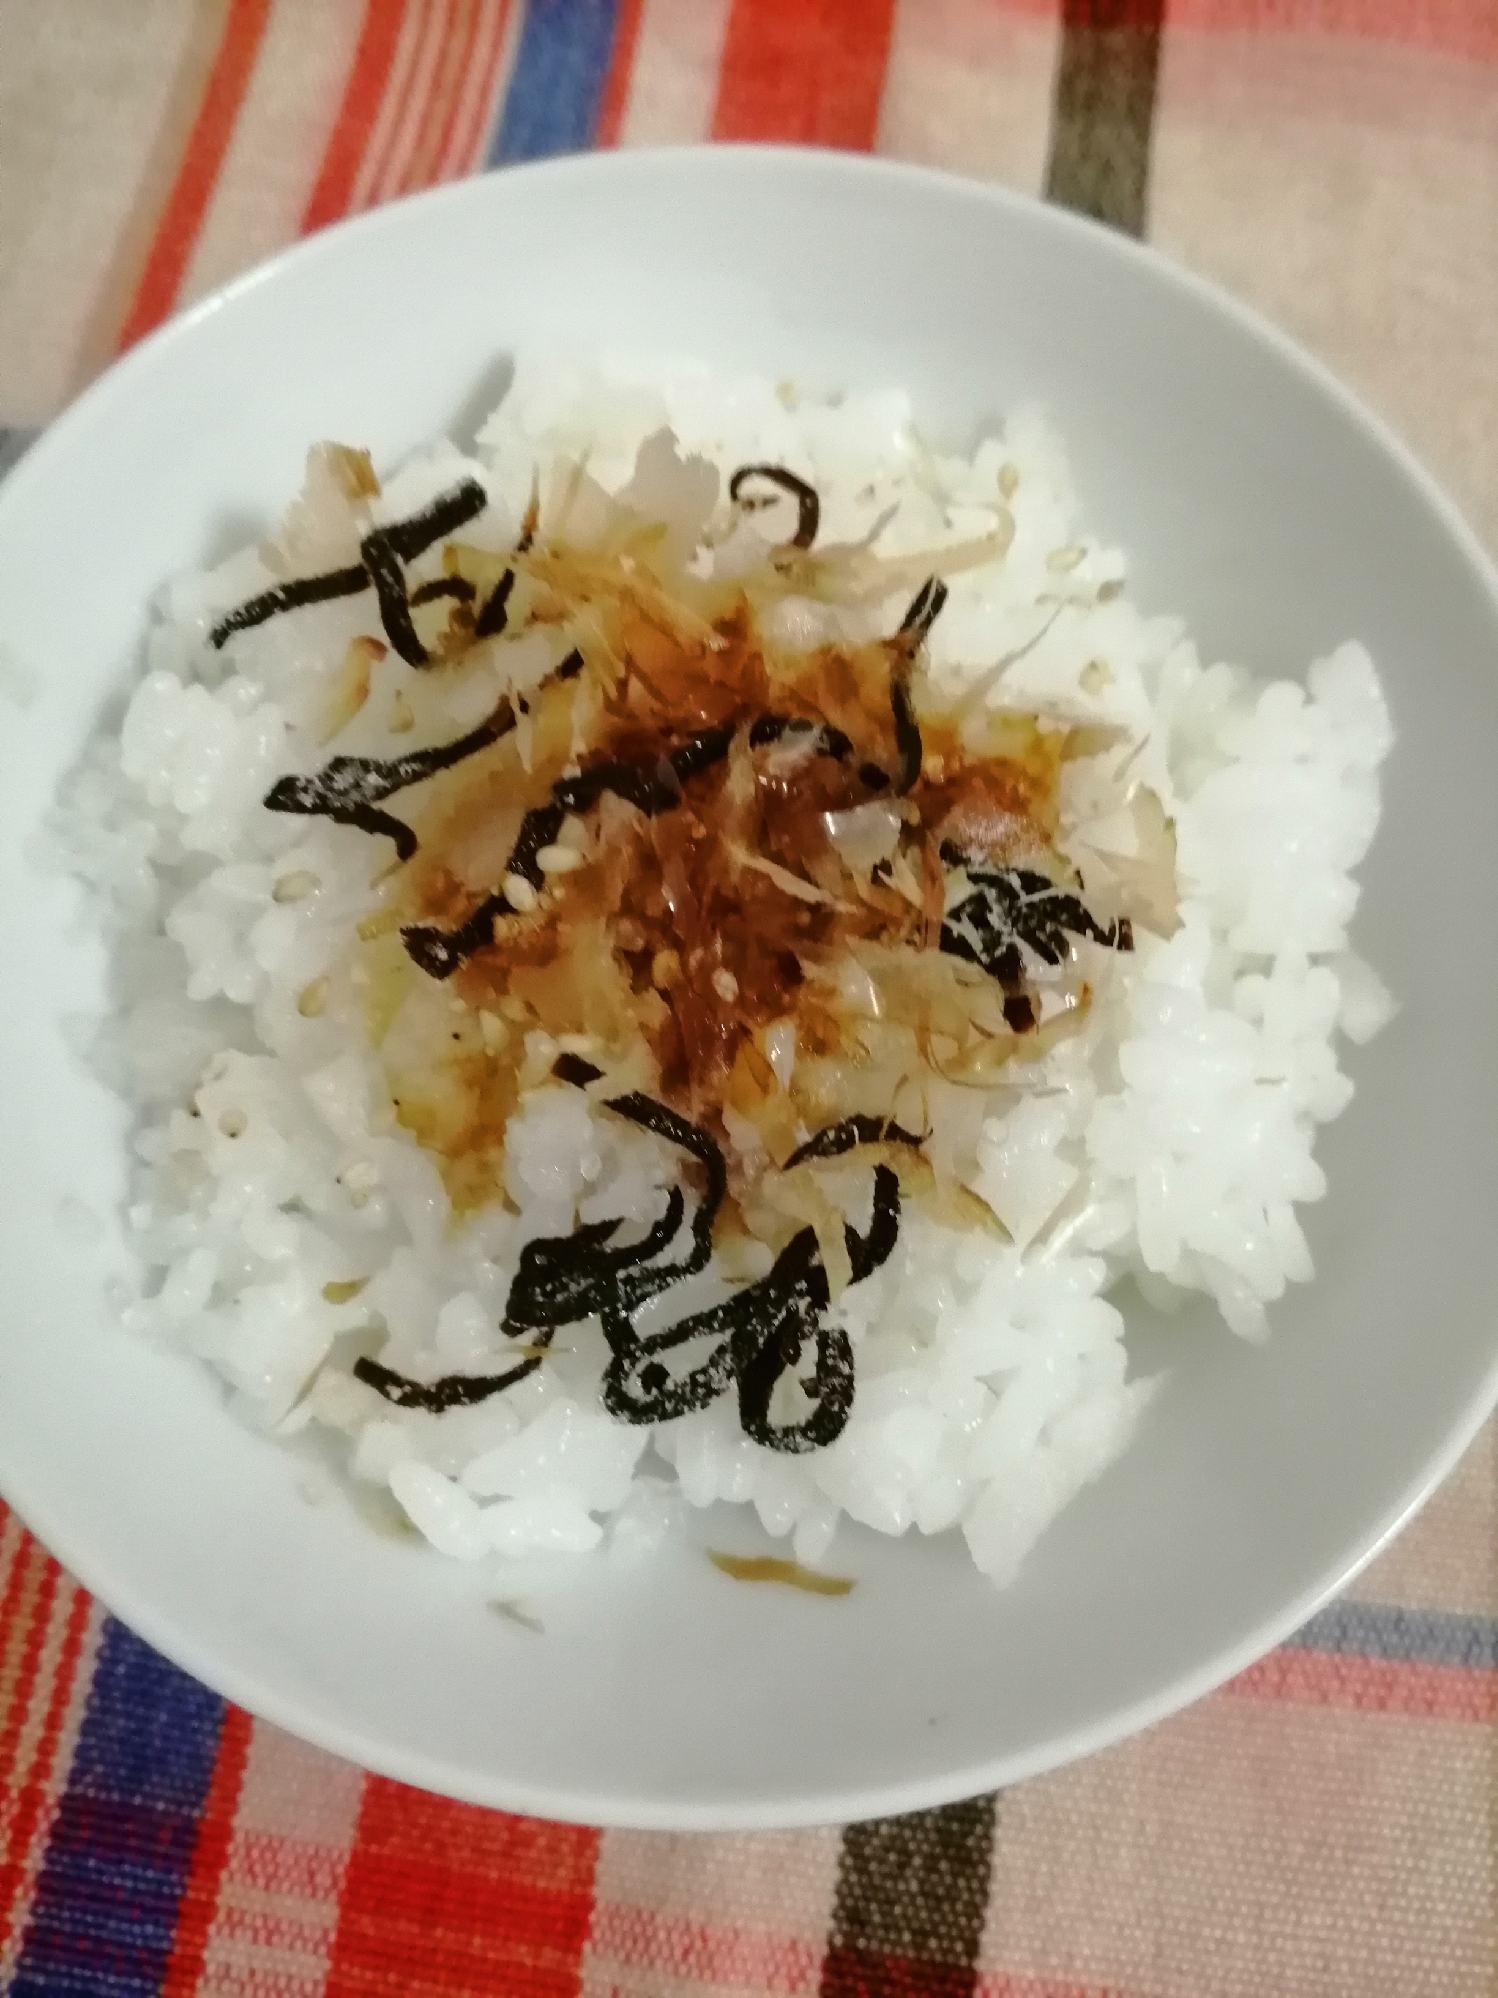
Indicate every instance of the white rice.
{"type": "Point", "coordinates": [1171, 1141]}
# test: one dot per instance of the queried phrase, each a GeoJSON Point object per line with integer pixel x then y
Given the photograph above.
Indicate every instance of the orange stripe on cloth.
{"type": "Point", "coordinates": [811, 71]}
{"type": "Point", "coordinates": [199, 1901]}
{"type": "Point", "coordinates": [279, 1892]}
{"type": "Point", "coordinates": [1370, 1685]}
{"type": "Point", "coordinates": [438, 113]}
{"type": "Point", "coordinates": [998, 1984]}
{"type": "Point", "coordinates": [24, 1610]}
{"type": "Point", "coordinates": [443, 1900]}
{"type": "Point", "coordinates": [621, 70]}
{"type": "Point", "coordinates": [1448, 27]}
{"type": "Point", "coordinates": [466, 143]}
{"type": "Point", "coordinates": [367, 78]}
{"type": "Point", "coordinates": [182, 218]}
{"type": "Point", "coordinates": [416, 66]}
{"type": "Point", "coordinates": [646, 1939]}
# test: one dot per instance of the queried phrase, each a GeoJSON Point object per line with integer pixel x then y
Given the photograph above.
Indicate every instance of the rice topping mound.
{"type": "Point", "coordinates": [684, 956]}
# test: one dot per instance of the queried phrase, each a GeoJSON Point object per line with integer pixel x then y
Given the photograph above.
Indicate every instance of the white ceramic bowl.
{"type": "Point", "coordinates": [1254, 495]}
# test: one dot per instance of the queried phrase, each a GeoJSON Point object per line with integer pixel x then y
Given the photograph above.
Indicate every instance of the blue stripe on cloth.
{"type": "Point", "coordinates": [106, 1902]}
{"type": "Point", "coordinates": [557, 82]}
{"type": "Point", "coordinates": [12, 444]}
{"type": "Point", "coordinates": [1403, 1636]}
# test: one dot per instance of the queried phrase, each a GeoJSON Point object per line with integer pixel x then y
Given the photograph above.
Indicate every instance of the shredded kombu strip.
{"type": "Point", "coordinates": [288, 597]}
{"type": "Point", "coordinates": [848, 1135]}
{"type": "Point", "coordinates": [754, 1338]}
{"type": "Point", "coordinates": [1014, 906]}
{"type": "Point", "coordinates": [445, 586]}
{"type": "Point", "coordinates": [384, 552]}
{"type": "Point", "coordinates": [808, 505]}
{"type": "Point", "coordinates": [349, 788]}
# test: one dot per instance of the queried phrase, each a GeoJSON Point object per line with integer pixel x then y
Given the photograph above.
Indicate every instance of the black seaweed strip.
{"type": "Point", "coordinates": [386, 549]}
{"type": "Point", "coordinates": [389, 579]}
{"type": "Point", "coordinates": [867, 1252]}
{"type": "Point", "coordinates": [691, 1138]}
{"type": "Point", "coordinates": [848, 1135]}
{"type": "Point", "coordinates": [538, 828]}
{"type": "Point", "coordinates": [564, 1278]}
{"type": "Point", "coordinates": [495, 614]}
{"type": "Point", "coordinates": [571, 666]}
{"type": "Point", "coordinates": [808, 505]}
{"type": "Point", "coordinates": [925, 609]}
{"type": "Point", "coordinates": [445, 586]}
{"type": "Point", "coordinates": [907, 735]}
{"type": "Point", "coordinates": [409, 538]}
{"type": "Point", "coordinates": [439, 952]}
{"type": "Point", "coordinates": [348, 788]}
{"type": "Point", "coordinates": [290, 596]}
{"type": "Point", "coordinates": [770, 728]}
{"type": "Point", "coordinates": [572, 1068]}
{"type": "Point", "coordinates": [451, 1391]}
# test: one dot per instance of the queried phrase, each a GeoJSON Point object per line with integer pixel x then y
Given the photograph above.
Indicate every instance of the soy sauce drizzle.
{"type": "Point", "coordinates": [383, 552]}
{"type": "Point", "coordinates": [808, 505]}
{"type": "Point", "coordinates": [656, 788]}
{"type": "Point", "coordinates": [348, 790]}
{"type": "Point", "coordinates": [757, 1335]}
{"type": "Point", "coordinates": [651, 787]}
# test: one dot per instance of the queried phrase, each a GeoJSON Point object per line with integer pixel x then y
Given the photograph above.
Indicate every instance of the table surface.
{"type": "Point", "coordinates": [1323, 1825]}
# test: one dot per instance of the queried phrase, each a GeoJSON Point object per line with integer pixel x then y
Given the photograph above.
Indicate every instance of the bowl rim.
{"type": "Point", "coordinates": [226, 1678]}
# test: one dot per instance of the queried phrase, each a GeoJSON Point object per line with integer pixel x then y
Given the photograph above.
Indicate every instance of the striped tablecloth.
{"type": "Point", "coordinates": [1324, 1825]}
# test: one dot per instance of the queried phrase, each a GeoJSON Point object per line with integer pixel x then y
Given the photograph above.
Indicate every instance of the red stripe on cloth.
{"type": "Point", "coordinates": [811, 71]}
{"type": "Point", "coordinates": [182, 218]}
{"type": "Point", "coordinates": [859, 1973]}
{"type": "Point", "coordinates": [368, 75]}
{"type": "Point", "coordinates": [32, 1797]}
{"type": "Point", "coordinates": [1370, 1685]}
{"type": "Point", "coordinates": [443, 1900]}
{"type": "Point", "coordinates": [707, 1953]}
{"type": "Point", "coordinates": [210, 1856]}
{"type": "Point", "coordinates": [621, 69]}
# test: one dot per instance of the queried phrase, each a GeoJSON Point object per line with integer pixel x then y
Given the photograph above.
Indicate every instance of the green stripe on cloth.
{"type": "Point", "coordinates": [1102, 109]}
{"type": "Point", "coordinates": [911, 1898]}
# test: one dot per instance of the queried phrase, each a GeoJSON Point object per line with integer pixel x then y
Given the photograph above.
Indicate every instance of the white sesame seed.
{"type": "Point", "coordinates": [519, 893]}
{"type": "Point", "coordinates": [294, 887]}
{"type": "Point", "coordinates": [558, 859]}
